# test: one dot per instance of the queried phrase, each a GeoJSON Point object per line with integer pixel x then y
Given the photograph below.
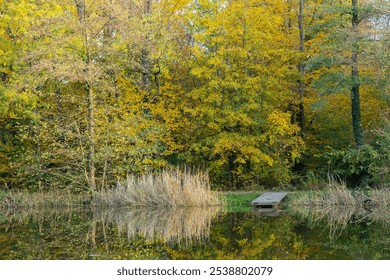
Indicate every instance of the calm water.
{"type": "Point", "coordinates": [194, 233]}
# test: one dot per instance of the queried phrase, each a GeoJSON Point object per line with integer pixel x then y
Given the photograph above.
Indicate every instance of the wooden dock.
{"type": "Point", "coordinates": [268, 200]}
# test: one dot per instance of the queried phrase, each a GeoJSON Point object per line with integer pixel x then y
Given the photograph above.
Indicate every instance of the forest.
{"type": "Point", "coordinates": [260, 93]}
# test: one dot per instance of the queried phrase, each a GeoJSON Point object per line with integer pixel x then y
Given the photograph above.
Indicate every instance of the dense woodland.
{"type": "Point", "coordinates": [261, 93]}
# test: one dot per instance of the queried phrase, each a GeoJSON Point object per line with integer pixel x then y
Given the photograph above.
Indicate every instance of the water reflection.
{"type": "Point", "coordinates": [169, 225]}
{"type": "Point", "coordinates": [195, 233]}
{"type": "Point", "coordinates": [337, 219]}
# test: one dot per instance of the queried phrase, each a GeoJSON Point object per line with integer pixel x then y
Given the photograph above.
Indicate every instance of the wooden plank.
{"type": "Point", "coordinates": [269, 199]}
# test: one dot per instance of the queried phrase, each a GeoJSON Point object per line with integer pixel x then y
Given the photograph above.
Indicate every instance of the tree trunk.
{"type": "Point", "coordinates": [91, 140]}
{"type": "Point", "coordinates": [145, 52]}
{"type": "Point", "coordinates": [39, 170]}
{"type": "Point", "coordinates": [80, 5]}
{"type": "Point", "coordinates": [355, 95]}
{"type": "Point", "coordinates": [145, 68]}
{"type": "Point", "coordinates": [301, 69]}
{"type": "Point", "coordinates": [81, 12]}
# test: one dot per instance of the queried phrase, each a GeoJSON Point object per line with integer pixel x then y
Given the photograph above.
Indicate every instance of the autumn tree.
{"type": "Point", "coordinates": [71, 55]}
{"type": "Point", "coordinates": [18, 106]}
{"type": "Point", "coordinates": [99, 119]}
{"type": "Point", "coordinates": [301, 69]}
{"type": "Point", "coordinates": [241, 73]}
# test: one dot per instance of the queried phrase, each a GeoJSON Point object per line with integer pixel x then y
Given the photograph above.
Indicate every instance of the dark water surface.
{"type": "Point", "coordinates": [193, 233]}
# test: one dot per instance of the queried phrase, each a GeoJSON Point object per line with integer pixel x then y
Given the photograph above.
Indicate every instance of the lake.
{"type": "Point", "coordinates": [194, 233]}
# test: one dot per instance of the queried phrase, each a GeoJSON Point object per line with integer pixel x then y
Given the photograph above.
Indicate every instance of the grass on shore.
{"type": "Point", "coordinates": [333, 193]}
{"type": "Point", "coordinates": [340, 197]}
{"type": "Point", "coordinates": [238, 201]}
{"type": "Point", "coordinates": [339, 206]}
{"type": "Point", "coordinates": [50, 199]}
{"type": "Point", "coordinates": [179, 188]}
{"type": "Point", "coordinates": [169, 189]}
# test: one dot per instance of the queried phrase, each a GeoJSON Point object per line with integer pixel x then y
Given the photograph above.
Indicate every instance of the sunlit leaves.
{"type": "Point", "coordinates": [204, 83]}
{"type": "Point", "coordinates": [241, 62]}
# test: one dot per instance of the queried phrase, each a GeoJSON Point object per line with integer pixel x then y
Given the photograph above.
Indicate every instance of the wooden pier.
{"type": "Point", "coordinates": [268, 200]}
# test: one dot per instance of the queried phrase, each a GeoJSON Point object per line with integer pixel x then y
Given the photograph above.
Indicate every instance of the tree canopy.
{"type": "Point", "coordinates": [257, 92]}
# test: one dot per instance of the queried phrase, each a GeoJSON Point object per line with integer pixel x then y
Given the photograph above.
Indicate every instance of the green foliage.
{"type": "Point", "coordinates": [381, 166]}
{"type": "Point", "coordinates": [332, 83]}
{"type": "Point", "coordinates": [368, 165]}
{"type": "Point", "coordinates": [355, 165]}
{"type": "Point", "coordinates": [2, 195]}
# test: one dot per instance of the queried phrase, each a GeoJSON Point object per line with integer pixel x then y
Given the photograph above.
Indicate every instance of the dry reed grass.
{"type": "Point", "coordinates": [336, 194]}
{"type": "Point", "coordinates": [39, 214]}
{"type": "Point", "coordinates": [380, 197]}
{"type": "Point", "coordinates": [380, 215]}
{"type": "Point", "coordinates": [169, 189]}
{"type": "Point", "coordinates": [339, 206]}
{"type": "Point", "coordinates": [52, 199]}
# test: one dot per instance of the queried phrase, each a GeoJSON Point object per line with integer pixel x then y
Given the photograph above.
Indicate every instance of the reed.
{"type": "Point", "coordinates": [338, 206]}
{"type": "Point", "coordinates": [380, 197]}
{"type": "Point", "coordinates": [168, 189]}
{"type": "Point", "coordinates": [16, 200]}
{"type": "Point", "coordinates": [336, 193]}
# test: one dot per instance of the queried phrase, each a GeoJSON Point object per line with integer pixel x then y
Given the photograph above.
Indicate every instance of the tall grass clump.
{"type": "Point", "coordinates": [336, 193]}
{"type": "Point", "coordinates": [17, 200]}
{"type": "Point", "coordinates": [169, 188]}
{"type": "Point", "coordinates": [380, 198]}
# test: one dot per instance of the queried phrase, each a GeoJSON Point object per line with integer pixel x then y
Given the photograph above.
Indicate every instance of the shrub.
{"type": "Point", "coordinates": [381, 167]}
{"type": "Point", "coordinates": [356, 166]}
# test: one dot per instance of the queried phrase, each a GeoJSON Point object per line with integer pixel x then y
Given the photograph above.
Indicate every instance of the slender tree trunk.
{"type": "Point", "coordinates": [145, 69]}
{"type": "Point", "coordinates": [355, 94]}
{"type": "Point", "coordinates": [81, 12]}
{"type": "Point", "coordinates": [60, 114]}
{"type": "Point", "coordinates": [145, 52]}
{"type": "Point", "coordinates": [80, 5]}
{"type": "Point", "coordinates": [91, 236]}
{"type": "Point", "coordinates": [39, 154]}
{"type": "Point", "coordinates": [301, 69]}
{"type": "Point", "coordinates": [289, 21]}
{"type": "Point", "coordinates": [91, 140]}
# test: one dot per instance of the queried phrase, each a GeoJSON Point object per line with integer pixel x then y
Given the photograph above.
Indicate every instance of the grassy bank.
{"type": "Point", "coordinates": [182, 188]}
